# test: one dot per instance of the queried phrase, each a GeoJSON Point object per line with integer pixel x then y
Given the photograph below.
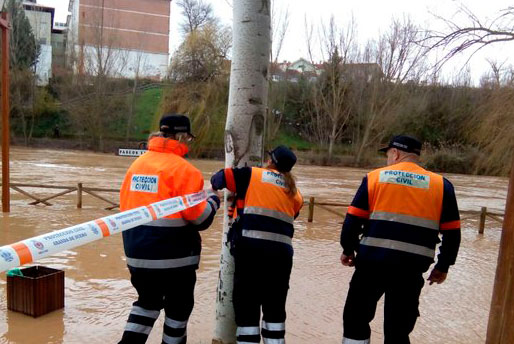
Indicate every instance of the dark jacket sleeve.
{"type": "Point", "coordinates": [213, 204]}
{"type": "Point", "coordinates": [356, 220]}
{"type": "Point", "coordinates": [233, 179]}
{"type": "Point", "coordinates": [449, 229]}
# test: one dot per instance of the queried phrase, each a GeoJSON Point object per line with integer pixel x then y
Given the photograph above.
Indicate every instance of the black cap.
{"type": "Point", "coordinates": [404, 143]}
{"type": "Point", "coordinates": [175, 123]}
{"type": "Point", "coordinates": [283, 158]}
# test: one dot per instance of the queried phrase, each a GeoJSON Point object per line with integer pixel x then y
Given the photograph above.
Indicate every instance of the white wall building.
{"type": "Point", "coordinates": [41, 20]}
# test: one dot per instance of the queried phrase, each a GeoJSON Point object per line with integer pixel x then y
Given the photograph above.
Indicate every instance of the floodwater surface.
{"type": "Point", "coordinates": [98, 294]}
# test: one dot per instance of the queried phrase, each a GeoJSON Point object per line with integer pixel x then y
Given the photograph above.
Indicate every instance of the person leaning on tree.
{"type": "Point", "coordinates": [390, 235]}
{"type": "Point", "coordinates": [267, 202]}
{"type": "Point", "coordinates": [163, 255]}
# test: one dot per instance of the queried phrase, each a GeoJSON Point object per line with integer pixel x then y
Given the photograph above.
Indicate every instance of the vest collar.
{"type": "Point", "coordinates": [407, 165]}
{"type": "Point", "coordinates": [164, 145]}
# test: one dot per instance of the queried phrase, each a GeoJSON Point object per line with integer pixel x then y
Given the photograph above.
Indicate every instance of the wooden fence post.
{"type": "Point", "coordinates": [311, 209]}
{"type": "Point", "coordinates": [483, 213]}
{"type": "Point", "coordinates": [79, 195]}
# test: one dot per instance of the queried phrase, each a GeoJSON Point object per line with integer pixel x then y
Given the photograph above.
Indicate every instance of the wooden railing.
{"type": "Point", "coordinates": [80, 189]}
{"type": "Point", "coordinates": [482, 213]}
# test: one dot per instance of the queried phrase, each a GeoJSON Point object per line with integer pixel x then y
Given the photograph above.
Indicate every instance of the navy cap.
{"type": "Point", "coordinates": [175, 123]}
{"type": "Point", "coordinates": [404, 143]}
{"type": "Point", "coordinates": [283, 158]}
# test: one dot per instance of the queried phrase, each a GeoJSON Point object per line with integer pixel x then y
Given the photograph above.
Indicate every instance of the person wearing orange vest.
{"type": "Point", "coordinates": [267, 203]}
{"type": "Point", "coordinates": [163, 255]}
{"type": "Point", "coordinates": [390, 235]}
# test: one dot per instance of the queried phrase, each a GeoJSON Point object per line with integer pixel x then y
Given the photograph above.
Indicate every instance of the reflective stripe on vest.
{"type": "Point", "coordinates": [406, 219]}
{"type": "Point", "coordinates": [167, 223]}
{"type": "Point", "coordinates": [267, 236]}
{"type": "Point", "coordinates": [270, 213]}
{"type": "Point", "coordinates": [398, 245]}
{"type": "Point", "coordinates": [163, 263]}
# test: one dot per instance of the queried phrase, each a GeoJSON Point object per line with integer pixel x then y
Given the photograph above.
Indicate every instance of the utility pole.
{"type": "Point", "coordinates": [500, 329]}
{"type": "Point", "coordinates": [6, 196]}
{"type": "Point", "coordinates": [244, 129]}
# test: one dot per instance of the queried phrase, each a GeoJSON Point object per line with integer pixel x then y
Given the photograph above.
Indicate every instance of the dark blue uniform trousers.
{"type": "Point", "coordinates": [171, 289]}
{"type": "Point", "coordinates": [261, 281]}
{"type": "Point", "coordinates": [401, 288]}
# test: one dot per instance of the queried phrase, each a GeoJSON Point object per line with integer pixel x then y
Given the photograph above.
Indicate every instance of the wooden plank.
{"type": "Point", "coordinates": [495, 218]}
{"type": "Point", "coordinates": [330, 210]}
{"type": "Point", "coordinates": [53, 196]}
{"type": "Point", "coordinates": [481, 224]}
{"type": "Point", "coordinates": [79, 195]}
{"type": "Point", "coordinates": [311, 210]}
{"type": "Point", "coordinates": [98, 196]}
{"type": "Point", "coordinates": [101, 189]}
{"type": "Point", "coordinates": [29, 195]}
{"type": "Point", "coordinates": [112, 207]}
{"type": "Point", "coordinates": [24, 185]}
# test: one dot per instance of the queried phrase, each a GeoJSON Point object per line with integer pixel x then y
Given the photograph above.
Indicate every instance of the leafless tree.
{"type": "Point", "coordinates": [330, 108]}
{"type": "Point", "coordinates": [196, 13]}
{"type": "Point", "coordinates": [277, 91]}
{"type": "Point", "coordinates": [401, 59]}
{"type": "Point", "coordinates": [473, 35]}
{"type": "Point", "coordinates": [94, 98]}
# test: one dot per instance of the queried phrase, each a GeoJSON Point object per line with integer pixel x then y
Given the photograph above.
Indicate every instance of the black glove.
{"type": "Point", "coordinates": [218, 180]}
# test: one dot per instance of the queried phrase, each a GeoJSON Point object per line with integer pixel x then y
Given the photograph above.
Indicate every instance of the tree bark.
{"type": "Point", "coordinates": [244, 128]}
{"type": "Point", "coordinates": [501, 316]}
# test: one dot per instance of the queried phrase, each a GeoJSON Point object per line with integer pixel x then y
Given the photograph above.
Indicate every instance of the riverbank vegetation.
{"type": "Point", "coordinates": [341, 113]}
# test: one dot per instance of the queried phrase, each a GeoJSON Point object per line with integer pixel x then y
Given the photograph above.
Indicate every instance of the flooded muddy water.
{"type": "Point", "coordinates": [98, 294]}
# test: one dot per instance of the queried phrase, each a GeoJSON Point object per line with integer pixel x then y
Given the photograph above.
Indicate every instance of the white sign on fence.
{"type": "Point", "coordinates": [130, 152]}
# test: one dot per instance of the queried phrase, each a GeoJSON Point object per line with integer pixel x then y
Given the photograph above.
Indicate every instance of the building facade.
{"type": "Point", "coordinates": [41, 20]}
{"type": "Point", "coordinates": [126, 37]}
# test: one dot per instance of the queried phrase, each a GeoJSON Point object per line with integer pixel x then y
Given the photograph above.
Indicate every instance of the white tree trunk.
{"type": "Point", "coordinates": [244, 128]}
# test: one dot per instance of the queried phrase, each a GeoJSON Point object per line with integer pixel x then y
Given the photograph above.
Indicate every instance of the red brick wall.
{"type": "Point", "coordinates": [127, 24]}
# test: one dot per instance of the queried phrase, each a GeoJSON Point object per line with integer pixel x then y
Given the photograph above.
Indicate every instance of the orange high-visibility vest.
{"type": "Point", "coordinates": [266, 195]}
{"type": "Point", "coordinates": [406, 192]}
{"type": "Point", "coordinates": [405, 203]}
{"type": "Point", "coordinates": [158, 175]}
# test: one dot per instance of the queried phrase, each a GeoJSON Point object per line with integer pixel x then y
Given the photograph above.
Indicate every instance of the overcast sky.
{"type": "Point", "coordinates": [372, 17]}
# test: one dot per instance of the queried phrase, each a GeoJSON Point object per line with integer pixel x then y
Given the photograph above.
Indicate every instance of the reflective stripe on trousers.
{"type": "Point", "coordinates": [248, 233]}
{"type": "Point", "coordinates": [132, 326]}
{"type": "Point", "coordinates": [355, 341]}
{"type": "Point", "coordinates": [270, 213]}
{"type": "Point", "coordinates": [178, 328]}
{"type": "Point", "coordinates": [162, 263]}
{"type": "Point", "coordinates": [247, 330]}
{"type": "Point", "coordinates": [275, 330]}
{"type": "Point", "coordinates": [138, 328]}
{"type": "Point", "coordinates": [398, 245]}
{"type": "Point", "coordinates": [248, 335]}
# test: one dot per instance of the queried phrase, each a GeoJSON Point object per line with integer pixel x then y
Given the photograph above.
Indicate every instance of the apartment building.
{"type": "Point", "coordinates": [132, 36]}
{"type": "Point", "coordinates": [41, 19]}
